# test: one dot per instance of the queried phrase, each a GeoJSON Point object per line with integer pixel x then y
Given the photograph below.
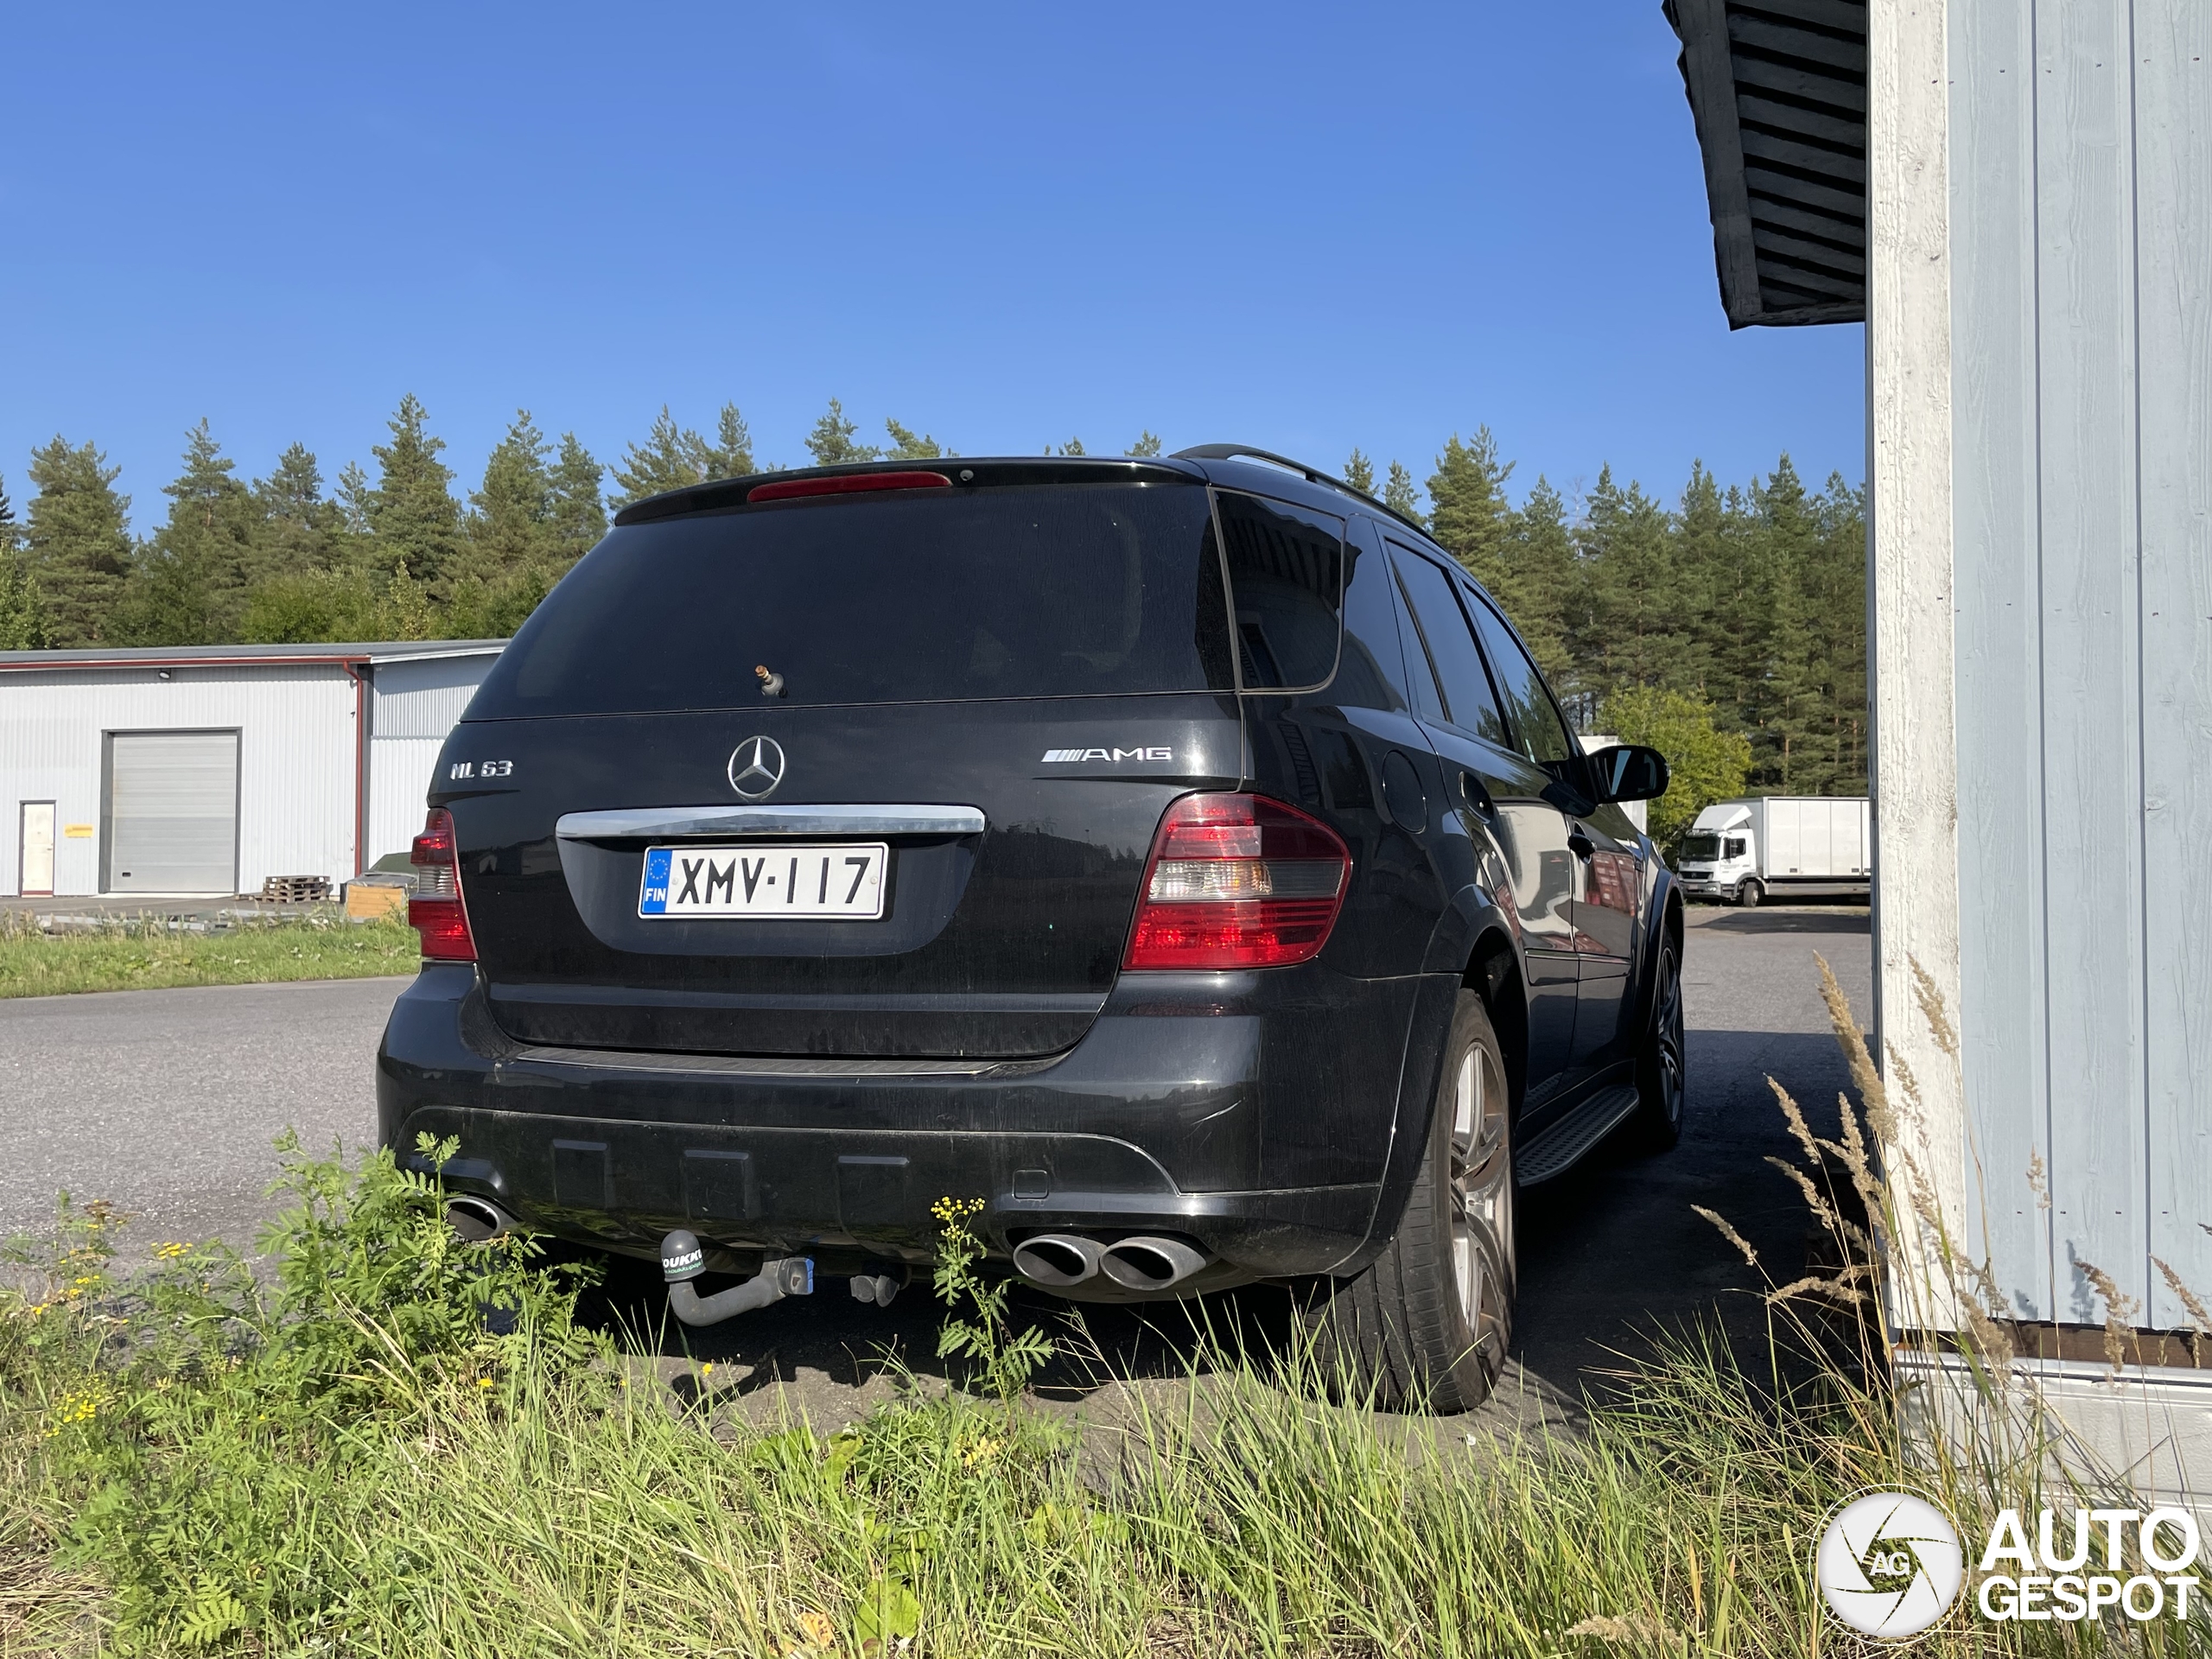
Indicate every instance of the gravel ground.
{"type": "Point", "coordinates": [165, 1102]}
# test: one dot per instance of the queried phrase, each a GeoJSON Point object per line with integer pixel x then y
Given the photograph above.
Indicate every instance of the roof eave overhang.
{"type": "Point", "coordinates": [1778, 89]}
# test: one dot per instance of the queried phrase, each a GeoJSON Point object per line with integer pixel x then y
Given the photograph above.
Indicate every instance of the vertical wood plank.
{"type": "Point", "coordinates": [2173, 226]}
{"type": "Point", "coordinates": [2000, 1013]}
{"type": "Point", "coordinates": [2092, 758]}
{"type": "Point", "coordinates": [1910, 643]}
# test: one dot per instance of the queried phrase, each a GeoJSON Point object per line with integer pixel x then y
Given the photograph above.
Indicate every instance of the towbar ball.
{"type": "Point", "coordinates": [681, 1257]}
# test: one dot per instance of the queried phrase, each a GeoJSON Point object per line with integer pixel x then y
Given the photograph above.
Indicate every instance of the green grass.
{"type": "Point", "coordinates": [398, 1444]}
{"type": "Point", "coordinates": [350, 1461]}
{"type": "Point", "coordinates": [142, 954]}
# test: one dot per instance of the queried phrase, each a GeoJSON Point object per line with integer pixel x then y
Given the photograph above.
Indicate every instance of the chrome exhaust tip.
{"type": "Point", "coordinates": [1057, 1259]}
{"type": "Point", "coordinates": [1144, 1263]}
{"type": "Point", "coordinates": [477, 1220]}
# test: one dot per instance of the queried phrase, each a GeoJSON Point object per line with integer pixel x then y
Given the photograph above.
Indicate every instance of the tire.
{"type": "Point", "coordinates": [1663, 1063]}
{"type": "Point", "coordinates": [1751, 893]}
{"type": "Point", "coordinates": [1429, 1324]}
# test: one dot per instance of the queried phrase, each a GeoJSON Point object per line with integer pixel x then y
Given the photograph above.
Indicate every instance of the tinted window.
{"type": "Point", "coordinates": [1286, 569]}
{"type": "Point", "coordinates": [1701, 846]}
{"type": "Point", "coordinates": [1371, 669]}
{"type": "Point", "coordinates": [1538, 731]}
{"type": "Point", "coordinates": [1469, 703]}
{"type": "Point", "coordinates": [1065, 591]}
{"type": "Point", "coordinates": [1734, 848]}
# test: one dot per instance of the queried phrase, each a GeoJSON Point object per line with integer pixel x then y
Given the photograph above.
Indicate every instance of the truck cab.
{"type": "Point", "coordinates": [1719, 854]}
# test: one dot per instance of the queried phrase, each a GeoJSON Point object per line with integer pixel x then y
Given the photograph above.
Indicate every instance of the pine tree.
{"type": "Point", "coordinates": [905, 446]}
{"type": "Point", "coordinates": [190, 583]}
{"type": "Point", "coordinates": [1072, 447]}
{"type": "Point", "coordinates": [579, 515]}
{"type": "Point", "coordinates": [10, 532]}
{"type": "Point", "coordinates": [1468, 509]}
{"type": "Point", "coordinates": [1146, 447]}
{"type": "Point", "coordinates": [79, 539]}
{"type": "Point", "coordinates": [300, 529]}
{"type": "Point", "coordinates": [1398, 494]}
{"type": "Point", "coordinates": [1540, 588]}
{"type": "Point", "coordinates": [412, 513]}
{"type": "Point", "coordinates": [510, 511]}
{"type": "Point", "coordinates": [1637, 632]}
{"type": "Point", "coordinates": [832, 442]}
{"type": "Point", "coordinates": [1359, 472]}
{"type": "Point", "coordinates": [672, 457]}
{"type": "Point", "coordinates": [356, 499]}
{"type": "Point", "coordinates": [731, 454]}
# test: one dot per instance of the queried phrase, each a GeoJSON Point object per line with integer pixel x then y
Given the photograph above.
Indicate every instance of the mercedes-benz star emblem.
{"type": "Point", "coordinates": [756, 766]}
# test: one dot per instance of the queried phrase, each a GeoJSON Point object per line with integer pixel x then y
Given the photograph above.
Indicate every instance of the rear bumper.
{"type": "Point", "coordinates": [1253, 1113]}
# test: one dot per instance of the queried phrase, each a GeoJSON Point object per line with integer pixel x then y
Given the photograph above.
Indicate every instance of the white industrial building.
{"type": "Point", "coordinates": [198, 770]}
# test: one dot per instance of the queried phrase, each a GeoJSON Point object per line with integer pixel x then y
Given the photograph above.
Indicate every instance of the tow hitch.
{"type": "Point", "coordinates": [682, 1260]}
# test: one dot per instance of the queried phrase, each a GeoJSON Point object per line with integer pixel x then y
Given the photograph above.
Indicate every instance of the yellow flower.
{"type": "Point", "coordinates": [708, 1368]}
{"type": "Point", "coordinates": [483, 1382]}
{"type": "Point", "coordinates": [170, 1252]}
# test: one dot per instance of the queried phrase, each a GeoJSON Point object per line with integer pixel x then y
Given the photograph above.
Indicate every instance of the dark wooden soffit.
{"type": "Point", "coordinates": [1779, 90]}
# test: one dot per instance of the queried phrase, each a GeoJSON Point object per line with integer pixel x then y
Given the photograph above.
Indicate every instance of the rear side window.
{"type": "Point", "coordinates": [1073, 590]}
{"type": "Point", "coordinates": [1468, 701]}
{"type": "Point", "coordinates": [1286, 569]}
{"type": "Point", "coordinates": [1539, 732]}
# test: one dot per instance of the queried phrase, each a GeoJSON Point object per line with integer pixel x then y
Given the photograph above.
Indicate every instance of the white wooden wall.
{"type": "Point", "coordinates": [2080, 204]}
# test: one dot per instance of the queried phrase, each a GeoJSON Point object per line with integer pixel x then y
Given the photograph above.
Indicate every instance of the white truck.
{"type": "Point", "coordinates": [1778, 847]}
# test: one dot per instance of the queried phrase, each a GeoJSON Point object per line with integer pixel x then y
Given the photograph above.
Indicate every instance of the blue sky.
{"type": "Point", "coordinates": [1297, 226]}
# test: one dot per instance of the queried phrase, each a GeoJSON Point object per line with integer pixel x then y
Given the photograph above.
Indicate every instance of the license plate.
{"type": "Point", "coordinates": [842, 881]}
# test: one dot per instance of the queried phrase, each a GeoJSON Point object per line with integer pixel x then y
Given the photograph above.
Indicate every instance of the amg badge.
{"type": "Point", "coordinates": [1056, 757]}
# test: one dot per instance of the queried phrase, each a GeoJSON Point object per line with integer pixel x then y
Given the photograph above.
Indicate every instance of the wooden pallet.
{"type": "Point", "coordinates": [294, 889]}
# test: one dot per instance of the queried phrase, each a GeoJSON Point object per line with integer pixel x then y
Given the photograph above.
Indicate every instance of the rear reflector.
{"type": "Point", "coordinates": [1237, 881]}
{"type": "Point", "coordinates": [847, 484]}
{"type": "Point", "coordinates": [436, 911]}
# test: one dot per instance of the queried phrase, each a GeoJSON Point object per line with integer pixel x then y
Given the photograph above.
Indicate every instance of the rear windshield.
{"type": "Point", "coordinates": [1074, 590]}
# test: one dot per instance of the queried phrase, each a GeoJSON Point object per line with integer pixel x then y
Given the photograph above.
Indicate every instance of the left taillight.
{"type": "Point", "coordinates": [1237, 881]}
{"type": "Point", "coordinates": [437, 912]}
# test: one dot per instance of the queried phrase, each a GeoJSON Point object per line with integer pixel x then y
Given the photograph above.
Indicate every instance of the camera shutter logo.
{"type": "Point", "coordinates": [756, 766]}
{"type": "Point", "coordinates": [1889, 1565]}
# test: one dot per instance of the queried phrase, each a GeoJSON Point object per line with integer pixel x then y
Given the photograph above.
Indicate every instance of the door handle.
{"type": "Point", "coordinates": [1578, 842]}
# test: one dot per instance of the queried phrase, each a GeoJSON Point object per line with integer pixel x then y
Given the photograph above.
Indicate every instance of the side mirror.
{"type": "Point", "coordinates": [1629, 771]}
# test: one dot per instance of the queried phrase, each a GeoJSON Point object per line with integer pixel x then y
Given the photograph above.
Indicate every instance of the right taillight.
{"type": "Point", "coordinates": [1237, 881]}
{"type": "Point", "coordinates": [437, 912]}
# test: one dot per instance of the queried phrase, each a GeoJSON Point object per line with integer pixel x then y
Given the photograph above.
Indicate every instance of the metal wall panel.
{"type": "Point", "coordinates": [2173, 295]}
{"type": "Point", "coordinates": [295, 758]}
{"type": "Point", "coordinates": [399, 786]}
{"type": "Point", "coordinates": [425, 698]}
{"type": "Point", "coordinates": [415, 704]}
{"type": "Point", "coordinates": [2080, 192]}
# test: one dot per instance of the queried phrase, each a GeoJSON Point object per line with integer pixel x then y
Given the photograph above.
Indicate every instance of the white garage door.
{"type": "Point", "coordinates": [172, 812]}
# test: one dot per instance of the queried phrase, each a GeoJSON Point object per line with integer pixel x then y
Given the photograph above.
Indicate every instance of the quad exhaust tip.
{"type": "Point", "coordinates": [1142, 1263]}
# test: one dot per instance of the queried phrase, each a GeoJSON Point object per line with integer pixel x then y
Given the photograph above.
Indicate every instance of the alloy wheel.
{"type": "Point", "coordinates": [1482, 1202]}
{"type": "Point", "coordinates": [1667, 1029]}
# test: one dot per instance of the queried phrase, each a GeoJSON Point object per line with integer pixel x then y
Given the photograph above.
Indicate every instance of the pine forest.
{"type": "Point", "coordinates": [1727, 625]}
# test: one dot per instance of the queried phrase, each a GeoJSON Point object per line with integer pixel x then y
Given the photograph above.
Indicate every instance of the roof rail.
{"type": "Point", "coordinates": [1311, 475]}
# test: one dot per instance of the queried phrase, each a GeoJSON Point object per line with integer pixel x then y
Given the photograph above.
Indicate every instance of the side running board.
{"type": "Point", "coordinates": [1562, 1145]}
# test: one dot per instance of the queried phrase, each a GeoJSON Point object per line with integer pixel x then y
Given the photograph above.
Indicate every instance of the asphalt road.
{"type": "Point", "coordinates": [165, 1102]}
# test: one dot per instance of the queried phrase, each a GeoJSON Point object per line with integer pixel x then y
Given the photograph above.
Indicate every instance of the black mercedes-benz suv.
{"type": "Point", "coordinates": [1183, 856]}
